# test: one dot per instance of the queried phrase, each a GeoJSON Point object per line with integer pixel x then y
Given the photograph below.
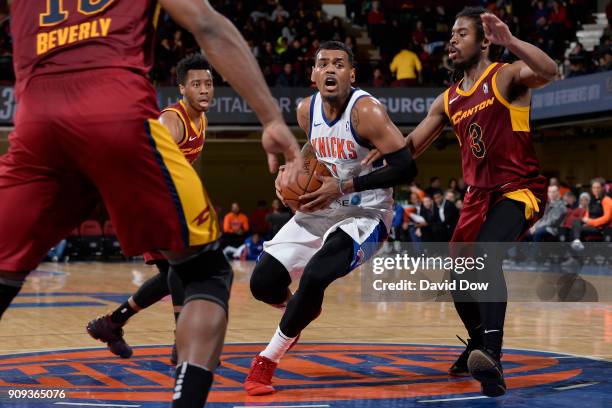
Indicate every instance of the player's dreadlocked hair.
{"type": "Point", "coordinates": [192, 61]}
{"type": "Point", "coordinates": [474, 14]}
{"type": "Point", "coordinates": [337, 45]}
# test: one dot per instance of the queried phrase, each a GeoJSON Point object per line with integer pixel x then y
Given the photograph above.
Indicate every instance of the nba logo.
{"type": "Point", "coordinates": [359, 257]}
{"type": "Point", "coordinates": [485, 88]}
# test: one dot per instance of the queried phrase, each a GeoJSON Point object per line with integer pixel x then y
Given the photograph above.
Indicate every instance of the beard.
{"type": "Point", "coordinates": [467, 64]}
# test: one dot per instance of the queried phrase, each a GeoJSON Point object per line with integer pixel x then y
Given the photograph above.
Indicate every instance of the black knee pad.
{"type": "Point", "coordinates": [270, 280]}
{"type": "Point", "coordinates": [177, 290]}
{"type": "Point", "coordinates": [154, 289]}
{"type": "Point", "coordinates": [206, 276]}
{"type": "Point", "coordinates": [163, 267]}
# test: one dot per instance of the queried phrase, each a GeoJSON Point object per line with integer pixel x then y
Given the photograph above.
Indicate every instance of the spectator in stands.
{"type": "Point", "coordinates": [235, 227]}
{"type": "Point", "coordinates": [541, 11]}
{"type": "Point", "coordinates": [462, 187]}
{"type": "Point", "coordinates": [376, 23]}
{"type": "Point", "coordinates": [258, 223]}
{"type": "Point", "coordinates": [418, 35]}
{"type": "Point", "coordinates": [554, 214]}
{"type": "Point", "coordinates": [279, 12]}
{"type": "Point", "coordinates": [277, 218]}
{"type": "Point", "coordinates": [336, 31]}
{"type": "Point", "coordinates": [406, 67]}
{"type": "Point", "coordinates": [448, 214]}
{"type": "Point", "coordinates": [429, 231]}
{"type": "Point", "coordinates": [259, 13]}
{"type": "Point", "coordinates": [414, 188]}
{"type": "Point", "coordinates": [412, 221]}
{"type": "Point", "coordinates": [287, 77]}
{"type": "Point", "coordinates": [598, 216]}
{"type": "Point", "coordinates": [249, 251]}
{"type": "Point", "coordinates": [554, 181]}
{"type": "Point", "coordinates": [435, 186]}
{"type": "Point", "coordinates": [578, 61]}
{"type": "Point", "coordinates": [378, 79]}
{"type": "Point", "coordinates": [396, 232]}
{"type": "Point", "coordinates": [454, 187]}
{"type": "Point", "coordinates": [605, 59]}
{"type": "Point", "coordinates": [558, 16]}
{"type": "Point", "coordinates": [569, 198]}
{"type": "Point", "coordinates": [451, 213]}
{"type": "Point", "coordinates": [289, 31]}
{"type": "Point", "coordinates": [574, 215]}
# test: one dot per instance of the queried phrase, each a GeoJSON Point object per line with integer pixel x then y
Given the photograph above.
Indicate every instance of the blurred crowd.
{"type": "Point", "coordinates": [418, 32]}
{"type": "Point", "coordinates": [430, 214]}
{"type": "Point", "coordinates": [573, 213]}
{"type": "Point", "coordinates": [409, 38]}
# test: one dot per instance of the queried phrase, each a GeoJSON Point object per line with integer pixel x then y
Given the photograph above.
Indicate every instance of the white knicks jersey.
{"type": "Point", "coordinates": [338, 146]}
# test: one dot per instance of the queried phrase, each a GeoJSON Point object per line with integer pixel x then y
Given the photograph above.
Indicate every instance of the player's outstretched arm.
{"type": "Point", "coordinates": [423, 135]}
{"type": "Point", "coordinates": [227, 51]}
{"type": "Point", "coordinates": [535, 68]}
{"type": "Point", "coordinates": [429, 129]}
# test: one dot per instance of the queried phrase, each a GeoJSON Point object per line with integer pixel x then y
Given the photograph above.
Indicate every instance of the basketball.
{"type": "Point", "coordinates": [305, 183]}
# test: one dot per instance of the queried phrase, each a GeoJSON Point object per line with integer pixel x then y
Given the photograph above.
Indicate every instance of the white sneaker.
{"type": "Point", "coordinates": [577, 245]}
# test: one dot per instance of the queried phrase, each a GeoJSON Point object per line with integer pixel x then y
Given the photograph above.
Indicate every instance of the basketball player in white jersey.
{"type": "Point", "coordinates": [346, 220]}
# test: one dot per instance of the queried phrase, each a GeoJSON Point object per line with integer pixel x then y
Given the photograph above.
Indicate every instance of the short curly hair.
{"type": "Point", "coordinates": [190, 62]}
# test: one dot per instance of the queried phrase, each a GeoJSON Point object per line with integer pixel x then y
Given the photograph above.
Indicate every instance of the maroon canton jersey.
{"type": "Point", "coordinates": [89, 33]}
{"type": "Point", "coordinates": [494, 136]}
{"type": "Point", "coordinates": [193, 138]}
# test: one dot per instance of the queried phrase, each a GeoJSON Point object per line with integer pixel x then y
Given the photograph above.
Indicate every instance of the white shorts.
{"type": "Point", "coordinates": [304, 235]}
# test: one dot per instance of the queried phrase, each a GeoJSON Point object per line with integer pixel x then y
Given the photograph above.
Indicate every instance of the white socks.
{"type": "Point", "coordinates": [278, 346]}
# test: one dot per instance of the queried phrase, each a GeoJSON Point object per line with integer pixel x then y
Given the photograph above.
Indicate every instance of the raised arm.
{"type": "Point", "coordinates": [228, 52]}
{"type": "Point", "coordinates": [534, 68]}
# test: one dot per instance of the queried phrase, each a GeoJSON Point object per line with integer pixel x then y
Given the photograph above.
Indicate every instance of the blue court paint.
{"type": "Point", "coordinates": [373, 375]}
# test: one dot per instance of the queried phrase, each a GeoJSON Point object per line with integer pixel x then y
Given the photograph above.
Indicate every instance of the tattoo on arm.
{"type": "Point", "coordinates": [355, 118]}
{"type": "Point", "coordinates": [308, 151]}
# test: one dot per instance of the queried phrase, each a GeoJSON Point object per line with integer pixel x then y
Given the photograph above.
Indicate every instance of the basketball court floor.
{"type": "Point", "coordinates": [356, 354]}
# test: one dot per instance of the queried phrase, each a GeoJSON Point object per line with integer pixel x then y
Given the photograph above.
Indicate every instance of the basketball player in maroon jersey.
{"type": "Point", "coordinates": [87, 127]}
{"type": "Point", "coordinates": [186, 121]}
{"type": "Point", "coordinates": [488, 108]}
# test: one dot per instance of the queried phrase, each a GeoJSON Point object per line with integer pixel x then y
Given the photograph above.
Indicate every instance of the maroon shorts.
{"type": "Point", "coordinates": [478, 201]}
{"type": "Point", "coordinates": [91, 134]}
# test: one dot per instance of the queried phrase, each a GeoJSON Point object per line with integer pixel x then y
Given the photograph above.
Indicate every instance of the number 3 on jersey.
{"type": "Point", "coordinates": [476, 144]}
{"type": "Point", "coordinates": [56, 13]}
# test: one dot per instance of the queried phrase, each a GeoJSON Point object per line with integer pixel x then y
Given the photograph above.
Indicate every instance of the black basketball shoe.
{"type": "Point", "coordinates": [103, 329]}
{"type": "Point", "coordinates": [485, 367]}
{"type": "Point", "coordinates": [460, 366]}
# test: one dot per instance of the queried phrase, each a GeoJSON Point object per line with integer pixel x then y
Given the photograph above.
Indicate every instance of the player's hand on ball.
{"type": "Point", "coordinates": [496, 30]}
{"type": "Point", "coordinates": [278, 139]}
{"type": "Point", "coordinates": [322, 197]}
{"type": "Point", "coordinates": [277, 184]}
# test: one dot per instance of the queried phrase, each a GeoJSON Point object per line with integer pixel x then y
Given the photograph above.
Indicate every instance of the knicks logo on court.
{"type": "Point", "coordinates": [340, 374]}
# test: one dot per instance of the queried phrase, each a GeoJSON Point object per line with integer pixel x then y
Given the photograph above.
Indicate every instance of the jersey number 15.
{"type": "Point", "coordinates": [56, 13]}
